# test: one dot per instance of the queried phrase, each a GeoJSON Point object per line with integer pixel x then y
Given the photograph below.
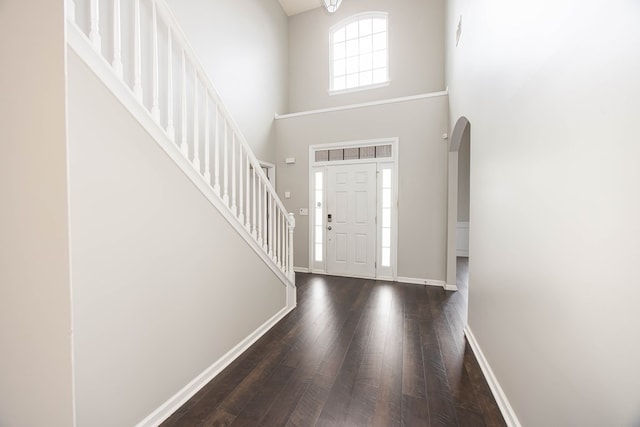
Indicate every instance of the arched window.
{"type": "Point", "coordinates": [359, 55]}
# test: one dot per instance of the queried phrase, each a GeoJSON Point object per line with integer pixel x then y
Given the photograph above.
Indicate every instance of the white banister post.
{"type": "Point", "coordinates": [155, 105]}
{"type": "Point", "coordinates": [117, 40]}
{"type": "Point", "coordinates": [234, 207]}
{"type": "Point", "coordinates": [183, 103]}
{"type": "Point", "coordinates": [240, 187]}
{"type": "Point", "coordinates": [170, 128]}
{"type": "Point", "coordinates": [71, 11]}
{"type": "Point", "coordinates": [254, 222]}
{"type": "Point", "coordinates": [271, 223]}
{"type": "Point", "coordinates": [247, 193]}
{"type": "Point", "coordinates": [259, 209]}
{"type": "Point", "coordinates": [196, 124]}
{"type": "Point", "coordinates": [292, 225]}
{"type": "Point", "coordinates": [207, 153]}
{"type": "Point", "coordinates": [285, 254]}
{"type": "Point", "coordinates": [94, 32]}
{"type": "Point", "coordinates": [216, 155]}
{"type": "Point", "coordinates": [277, 231]}
{"type": "Point", "coordinates": [283, 241]}
{"type": "Point", "coordinates": [225, 164]}
{"type": "Point", "coordinates": [265, 216]}
{"type": "Point", "coordinates": [137, 53]}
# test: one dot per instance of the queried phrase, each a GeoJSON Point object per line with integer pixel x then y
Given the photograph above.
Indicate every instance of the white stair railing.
{"type": "Point", "coordinates": [147, 50]}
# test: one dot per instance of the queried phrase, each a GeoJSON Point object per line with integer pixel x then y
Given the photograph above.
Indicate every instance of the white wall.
{"type": "Point", "coordinates": [552, 92]}
{"type": "Point", "coordinates": [416, 52]}
{"type": "Point", "coordinates": [243, 46]}
{"type": "Point", "coordinates": [35, 313]}
{"type": "Point", "coordinates": [163, 286]}
{"type": "Point", "coordinates": [422, 177]}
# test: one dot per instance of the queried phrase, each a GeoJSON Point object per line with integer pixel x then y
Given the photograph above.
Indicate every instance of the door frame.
{"type": "Point", "coordinates": [389, 273]}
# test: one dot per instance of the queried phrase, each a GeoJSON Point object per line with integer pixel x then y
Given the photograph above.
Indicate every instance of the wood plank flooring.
{"type": "Point", "coordinates": [355, 353]}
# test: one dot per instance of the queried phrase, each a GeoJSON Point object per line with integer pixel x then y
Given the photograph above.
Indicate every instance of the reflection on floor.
{"type": "Point", "coordinates": [355, 353]}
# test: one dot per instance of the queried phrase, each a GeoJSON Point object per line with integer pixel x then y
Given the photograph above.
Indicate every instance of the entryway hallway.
{"type": "Point", "coordinates": [355, 352]}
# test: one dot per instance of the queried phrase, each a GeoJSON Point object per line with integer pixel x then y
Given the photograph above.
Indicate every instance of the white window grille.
{"type": "Point", "coordinates": [359, 53]}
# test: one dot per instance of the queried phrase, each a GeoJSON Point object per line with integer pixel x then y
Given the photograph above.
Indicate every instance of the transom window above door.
{"type": "Point", "coordinates": [359, 54]}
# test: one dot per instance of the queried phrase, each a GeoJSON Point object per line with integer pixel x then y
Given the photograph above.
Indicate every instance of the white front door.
{"type": "Point", "coordinates": [351, 220]}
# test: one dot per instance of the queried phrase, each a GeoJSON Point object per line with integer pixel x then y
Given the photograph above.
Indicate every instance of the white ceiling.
{"type": "Point", "coordinates": [293, 7]}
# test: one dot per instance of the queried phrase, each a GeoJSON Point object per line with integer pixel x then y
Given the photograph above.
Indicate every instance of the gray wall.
{"type": "Point", "coordinates": [551, 90]}
{"type": "Point", "coordinates": [416, 52]}
{"type": "Point", "coordinates": [162, 284]}
{"type": "Point", "coordinates": [464, 154]}
{"type": "Point", "coordinates": [243, 46]}
{"type": "Point", "coordinates": [35, 314]}
{"type": "Point", "coordinates": [422, 174]}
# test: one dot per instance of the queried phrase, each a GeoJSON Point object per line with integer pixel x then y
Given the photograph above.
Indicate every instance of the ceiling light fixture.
{"type": "Point", "coordinates": [331, 5]}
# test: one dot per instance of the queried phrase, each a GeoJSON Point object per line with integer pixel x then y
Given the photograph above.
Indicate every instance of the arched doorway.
{"type": "Point", "coordinates": [458, 198]}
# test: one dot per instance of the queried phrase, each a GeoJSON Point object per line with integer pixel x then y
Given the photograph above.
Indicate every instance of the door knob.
{"type": "Point", "coordinates": [329, 228]}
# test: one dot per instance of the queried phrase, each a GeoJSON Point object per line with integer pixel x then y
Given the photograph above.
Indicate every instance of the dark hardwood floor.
{"type": "Point", "coordinates": [355, 353]}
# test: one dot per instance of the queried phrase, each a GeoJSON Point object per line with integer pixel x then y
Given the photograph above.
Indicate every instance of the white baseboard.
{"type": "Point", "coordinates": [501, 399]}
{"type": "Point", "coordinates": [448, 287]}
{"type": "Point", "coordinates": [300, 269]}
{"type": "Point", "coordinates": [428, 282]}
{"type": "Point", "coordinates": [180, 398]}
{"type": "Point", "coordinates": [462, 252]}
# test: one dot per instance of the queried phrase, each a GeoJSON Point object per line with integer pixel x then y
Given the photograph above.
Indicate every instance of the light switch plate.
{"type": "Point", "coordinates": [287, 194]}
{"type": "Point", "coordinates": [304, 211]}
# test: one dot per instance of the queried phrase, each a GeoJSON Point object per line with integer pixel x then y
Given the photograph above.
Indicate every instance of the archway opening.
{"type": "Point", "coordinates": [458, 218]}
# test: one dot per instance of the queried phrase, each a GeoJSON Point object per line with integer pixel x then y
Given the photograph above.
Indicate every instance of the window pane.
{"type": "Point", "coordinates": [386, 178]}
{"type": "Point", "coordinates": [352, 81]}
{"type": "Point", "coordinates": [318, 253]}
{"type": "Point", "coordinates": [339, 50]}
{"type": "Point", "coordinates": [380, 41]}
{"type": "Point", "coordinates": [386, 237]}
{"type": "Point", "coordinates": [380, 75]}
{"type": "Point", "coordinates": [352, 30]}
{"type": "Point", "coordinates": [386, 257]}
{"type": "Point", "coordinates": [339, 83]}
{"type": "Point", "coordinates": [366, 78]}
{"type": "Point", "coordinates": [379, 25]}
{"type": "Point", "coordinates": [380, 59]}
{"type": "Point", "coordinates": [386, 198]}
{"type": "Point", "coordinates": [339, 35]}
{"type": "Point", "coordinates": [319, 235]}
{"type": "Point", "coordinates": [352, 65]}
{"type": "Point", "coordinates": [366, 62]}
{"type": "Point", "coordinates": [366, 44]}
{"type": "Point", "coordinates": [386, 217]}
{"type": "Point", "coordinates": [339, 68]}
{"type": "Point", "coordinates": [352, 48]}
{"type": "Point", "coordinates": [365, 27]}
{"type": "Point", "coordinates": [319, 183]}
{"type": "Point", "coordinates": [319, 217]}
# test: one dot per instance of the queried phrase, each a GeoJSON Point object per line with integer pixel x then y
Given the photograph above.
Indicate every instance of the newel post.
{"type": "Point", "coordinates": [292, 225]}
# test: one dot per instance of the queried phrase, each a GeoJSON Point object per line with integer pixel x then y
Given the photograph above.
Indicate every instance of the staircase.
{"type": "Point", "coordinates": [140, 53]}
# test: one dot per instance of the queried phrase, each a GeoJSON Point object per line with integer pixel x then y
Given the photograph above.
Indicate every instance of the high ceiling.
{"type": "Point", "coordinates": [293, 7]}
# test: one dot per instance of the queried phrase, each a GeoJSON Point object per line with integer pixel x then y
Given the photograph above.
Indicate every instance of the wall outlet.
{"type": "Point", "coordinates": [304, 211]}
{"type": "Point", "coordinates": [287, 194]}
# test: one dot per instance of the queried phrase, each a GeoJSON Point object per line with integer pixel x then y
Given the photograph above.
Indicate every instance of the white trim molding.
{"type": "Point", "coordinates": [300, 269]}
{"type": "Point", "coordinates": [362, 105]}
{"type": "Point", "coordinates": [165, 410]}
{"type": "Point", "coordinates": [426, 282]}
{"type": "Point", "coordinates": [506, 409]}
